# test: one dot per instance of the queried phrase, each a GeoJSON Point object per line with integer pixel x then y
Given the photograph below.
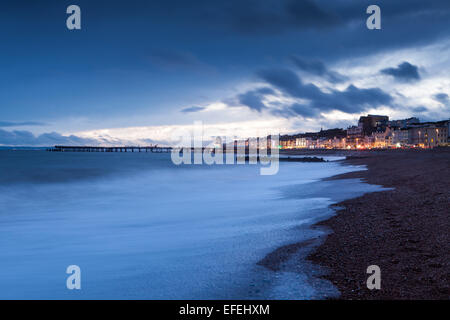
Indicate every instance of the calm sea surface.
{"type": "Point", "coordinates": [140, 227]}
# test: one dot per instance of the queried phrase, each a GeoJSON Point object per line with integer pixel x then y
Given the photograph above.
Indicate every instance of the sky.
{"type": "Point", "coordinates": [138, 71]}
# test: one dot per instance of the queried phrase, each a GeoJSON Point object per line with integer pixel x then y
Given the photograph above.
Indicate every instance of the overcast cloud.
{"type": "Point", "coordinates": [288, 65]}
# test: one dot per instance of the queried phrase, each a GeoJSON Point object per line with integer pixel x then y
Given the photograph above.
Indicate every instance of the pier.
{"type": "Point", "coordinates": [110, 149]}
{"type": "Point", "coordinates": [155, 149]}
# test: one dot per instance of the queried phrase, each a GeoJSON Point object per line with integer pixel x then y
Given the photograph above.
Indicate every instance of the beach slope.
{"type": "Point", "coordinates": [405, 231]}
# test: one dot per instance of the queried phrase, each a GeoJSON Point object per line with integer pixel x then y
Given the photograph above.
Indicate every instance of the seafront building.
{"type": "Point", "coordinates": [374, 131]}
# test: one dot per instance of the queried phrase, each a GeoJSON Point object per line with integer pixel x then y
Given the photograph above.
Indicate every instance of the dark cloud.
{"type": "Point", "coordinates": [192, 109]}
{"type": "Point", "coordinates": [303, 110]}
{"type": "Point", "coordinates": [318, 68]}
{"type": "Point", "coordinates": [442, 98]}
{"type": "Point", "coordinates": [350, 100]}
{"type": "Point", "coordinates": [308, 13]}
{"type": "Point", "coordinates": [412, 23]}
{"type": "Point", "coordinates": [253, 98]}
{"type": "Point", "coordinates": [354, 99]}
{"type": "Point", "coordinates": [20, 124]}
{"type": "Point", "coordinates": [26, 138]}
{"type": "Point", "coordinates": [419, 109]}
{"type": "Point", "coordinates": [252, 16]}
{"type": "Point", "coordinates": [262, 17]}
{"type": "Point", "coordinates": [295, 110]}
{"type": "Point", "coordinates": [404, 72]}
{"type": "Point", "coordinates": [288, 82]}
{"type": "Point", "coordinates": [235, 36]}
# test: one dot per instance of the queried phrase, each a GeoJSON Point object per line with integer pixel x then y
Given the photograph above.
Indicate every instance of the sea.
{"type": "Point", "coordinates": [140, 227]}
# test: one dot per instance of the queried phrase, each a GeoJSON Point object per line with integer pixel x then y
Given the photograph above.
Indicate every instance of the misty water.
{"type": "Point", "coordinates": [140, 227]}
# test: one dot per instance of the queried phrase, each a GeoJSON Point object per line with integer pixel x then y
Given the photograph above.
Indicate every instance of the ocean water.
{"type": "Point", "coordinates": [140, 227]}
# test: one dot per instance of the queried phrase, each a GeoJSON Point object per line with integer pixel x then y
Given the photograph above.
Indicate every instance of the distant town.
{"type": "Point", "coordinates": [374, 131]}
{"type": "Point", "coordinates": [371, 132]}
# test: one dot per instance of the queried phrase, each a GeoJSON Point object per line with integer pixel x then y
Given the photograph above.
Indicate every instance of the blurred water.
{"type": "Point", "coordinates": [140, 227]}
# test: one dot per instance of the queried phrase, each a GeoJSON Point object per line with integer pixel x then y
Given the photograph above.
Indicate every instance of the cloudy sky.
{"type": "Point", "coordinates": [139, 70]}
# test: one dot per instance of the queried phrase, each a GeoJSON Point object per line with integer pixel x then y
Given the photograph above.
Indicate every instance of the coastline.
{"type": "Point", "coordinates": [291, 258]}
{"type": "Point", "coordinates": [404, 230]}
